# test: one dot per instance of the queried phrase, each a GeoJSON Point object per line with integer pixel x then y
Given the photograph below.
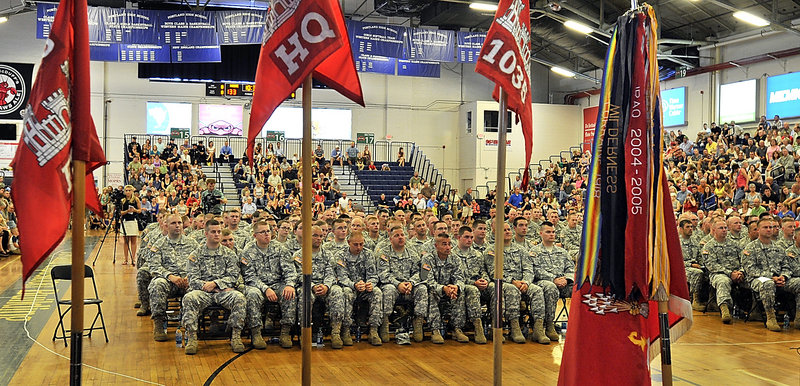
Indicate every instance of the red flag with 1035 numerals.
{"type": "Point", "coordinates": [505, 60]}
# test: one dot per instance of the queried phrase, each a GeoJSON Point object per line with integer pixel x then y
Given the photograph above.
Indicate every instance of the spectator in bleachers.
{"type": "Point", "coordinates": [336, 155]}
{"type": "Point", "coordinates": [211, 153]}
{"type": "Point", "coordinates": [385, 168]}
{"type": "Point", "coordinates": [401, 158]}
{"type": "Point", "coordinates": [366, 156]}
{"type": "Point", "coordinates": [225, 153]}
{"type": "Point", "coordinates": [352, 154]}
{"type": "Point", "coordinates": [319, 155]}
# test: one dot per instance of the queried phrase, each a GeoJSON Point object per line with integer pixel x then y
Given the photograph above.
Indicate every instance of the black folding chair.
{"type": "Point", "coordinates": [64, 272]}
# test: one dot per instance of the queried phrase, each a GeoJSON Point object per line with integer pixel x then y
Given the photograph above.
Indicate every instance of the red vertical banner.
{"type": "Point", "coordinates": [589, 123]}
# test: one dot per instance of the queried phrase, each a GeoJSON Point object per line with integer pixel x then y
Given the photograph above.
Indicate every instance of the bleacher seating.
{"type": "Point", "coordinates": [389, 182]}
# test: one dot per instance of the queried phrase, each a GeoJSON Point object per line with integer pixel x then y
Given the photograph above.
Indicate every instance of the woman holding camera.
{"type": "Point", "coordinates": [131, 207]}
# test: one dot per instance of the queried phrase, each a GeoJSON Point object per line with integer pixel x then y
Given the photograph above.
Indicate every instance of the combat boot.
{"type": "Point", "coordinates": [374, 339]}
{"type": "Point", "coordinates": [347, 339]}
{"type": "Point", "coordinates": [191, 343]}
{"type": "Point", "coordinates": [257, 340]}
{"type": "Point", "coordinates": [143, 311]}
{"type": "Point", "coordinates": [516, 333]}
{"type": "Point", "coordinates": [436, 337]}
{"type": "Point", "coordinates": [384, 332]}
{"type": "Point", "coordinates": [697, 305]}
{"type": "Point", "coordinates": [480, 337]}
{"type": "Point", "coordinates": [772, 322]}
{"type": "Point", "coordinates": [460, 337]}
{"type": "Point", "coordinates": [336, 332]}
{"type": "Point", "coordinates": [418, 335]}
{"type": "Point", "coordinates": [285, 339]}
{"type": "Point", "coordinates": [236, 341]}
{"type": "Point", "coordinates": [725, 313]}
{"type": "Point", "coordinates": [158, 330]}
{"type": "Point", "coordinates": [538, 334]}
{"type": "Point", "coordinates": [550, 332]}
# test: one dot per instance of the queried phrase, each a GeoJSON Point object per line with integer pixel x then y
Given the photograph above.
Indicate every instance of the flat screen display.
{"type": "Point", "coordinates": [783, 95]}
{"type": "Point", "coordinates": [673, 103]}
{"type": "Point", "coordinates": [737, 102]}
{"type": "Point", "coordinates": [161, 116]}
{"type": "Point", "coordinates": [220, 120]}
{"type": "Point", "coordinates": [325, 123]}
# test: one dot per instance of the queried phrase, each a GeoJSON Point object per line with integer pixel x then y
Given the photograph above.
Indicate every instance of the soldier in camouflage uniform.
{"type": "Point", "coordinates": [323, 285]}
{"type": "Point", "coordinates": [168, 259]}
{"type": "Point", "coordinates": [429, 247]}
{"type": "Point", "coordinates": [752, 234]}
{"type": "Point", "coordinates": [572, 236]}
{"type": "Point", "coordinates": [295, 244]}
{"type": "Point", "coordinates": [357, 274]}
{"type": "Point", "coordinates": [241, 236]}
{"type": "Point", "coordinates": [786, 239]}
{"type": "Point", "coordinates": [793, 285]}
{"type": "Point", "coordinates": [479, 230]}
{"type": "Point", "coordinates": [372, 234]}
{"type": "Point", "coordinates": [534, 224]}
{"type": "Point", "coordinates": [554, 270]}
{"type": "Point", "coordinates": [720, 258]}
{"type": "Point", "coordinates": [476, 279]}
{"type": "Point", "coordinates": [766, 267]}
{"type": "Point", "coordinates": [520, 232]}
{"type": "Point", "coordinates": [444, 276]}
{"type": "Point", "coordinates": [735, 232]}
{"type": "Point", "coordinates": [284, 233]}
{"type": "Point", "coordinates": [692, 262]}
{"type": "Point", "coordinates": [518, 277]}
{"type": "Point", "coordinates": [339, 242]}
{"type": "Point", "coordinates": [200, 234]}
{"type": "Point", "coordinates": [212, 273]}
{"type": "Point", "coordinates": [419, 236]}
{"type": "Point", "coordinates": [560, 227]}
{"type": "Point", "coordinates": [269, 275]}
{"type": "Point", "coordinates": [398, 273]}
{"type": "Point", "coordinates": [143, 274]}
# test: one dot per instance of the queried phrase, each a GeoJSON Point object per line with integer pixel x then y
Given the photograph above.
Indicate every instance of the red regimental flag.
{"type": "Point", "coordinates": [301, 36]}
{"type": "Point", "coordinates": [57, 127]}
{"type": "Point", "coordinates": [505, 60]}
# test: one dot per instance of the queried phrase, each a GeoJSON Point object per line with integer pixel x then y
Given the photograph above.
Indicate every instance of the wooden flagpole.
{"type": "Point", "coordinates": [78, 217]}
{"type": "Point", "coordinates": [666, 353]}
{"type": "Point", "coordinates": [497, 324]}
{"type": "Point", "coordinates": [305, 339]}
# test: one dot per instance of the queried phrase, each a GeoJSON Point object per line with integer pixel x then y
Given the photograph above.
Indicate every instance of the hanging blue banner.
{"type": "Point", "coordinates": [430, 44]}
{"type": "Point", "coordinates": [420, 68]}
{"type": "Point", "coordinates": [104, 52]}
{"type": "Point", "coordinates": [128, 26]}
{"type": "Point", "coordinates": [187, 28]}
{"type": "Point", "coordinates": [377, 64]}
{"type": "Point", "coordinates": [196, 54]}
{"type": "Point", "coordinates": [45, 13]}
{"type": "Point", "coordinates": [468, 46]}
{"type": "Point", "coordinates": [144, 53]}
{"type": "Point", "coordinates": [376, 39]}
{"type": "Point", "coordinates": [240, 27]}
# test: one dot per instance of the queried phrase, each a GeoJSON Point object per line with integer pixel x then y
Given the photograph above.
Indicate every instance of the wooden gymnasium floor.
{"type": "Point", "coordinates": [711, 353]}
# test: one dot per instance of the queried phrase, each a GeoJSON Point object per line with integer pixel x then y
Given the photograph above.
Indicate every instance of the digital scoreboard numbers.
{"type": "Point", "coordinates": [224, 89]}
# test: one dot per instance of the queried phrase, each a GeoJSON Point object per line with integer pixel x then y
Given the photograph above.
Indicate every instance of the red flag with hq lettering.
{"type": "Point", "coordinates": [301, 36]}
{"type": "Point", "coordinates": [505, 60]}
{"type": "Point", "coordinates": [58, 128]}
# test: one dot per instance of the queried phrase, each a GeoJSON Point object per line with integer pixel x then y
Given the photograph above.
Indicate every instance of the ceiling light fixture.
{"type": "Point", "coordinates": [483, 6]}
{"type": "Point", "coordinates": [580, 27]}
{"type": "Point", "coordinates": [562, 71]}
{"type": "Point", "coordinates": [749, 18]}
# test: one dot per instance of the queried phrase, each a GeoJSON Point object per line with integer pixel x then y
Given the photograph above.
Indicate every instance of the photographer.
{"type": "Point", "coordinates": [212, 198]}
{"type": "Point", "coordinates": [130, 207]}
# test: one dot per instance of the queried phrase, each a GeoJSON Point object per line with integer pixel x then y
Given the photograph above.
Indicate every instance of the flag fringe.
{"type": "Point", "coordinates": [683, 308]}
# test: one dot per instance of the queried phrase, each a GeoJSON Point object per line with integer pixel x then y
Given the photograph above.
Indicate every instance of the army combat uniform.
{"type": "Point", "coordinates": [168, 258]}
{"type": "Point", "coordinates": [351, 269]}
{"type": "Point", "coordinates": [474, 268]}
{"type": "Point", "coordinates": [793, 284]}
{"type": "Point", "coordinates": [398, 267]}
{"type": "Point", "coordinates": [572, 241]}
{"type": "Point", "coordinates": [517, 265]}
{"type": "Point", "coordinates": [143, 274]}
{"type": "Point", "coordinates": [220, 266]}
{"type": "Point", "coordinates": [264, 269]}
{"type": "Point", "coordinates": [761, 262]}
{"type": "Point", "coordinates": [322, 273]}
{"type": "Point", "coordinates": [721, 259]}
{"type": "Point", "coordinates": [548, 265]}
{"type": "Point", "coordinates": [437, 273]}
{"type": "Point", "coordinates": [692, 255]}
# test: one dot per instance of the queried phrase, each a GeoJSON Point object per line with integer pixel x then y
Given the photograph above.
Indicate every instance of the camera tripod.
{"type": "Point", "coordinates": [116, 222]}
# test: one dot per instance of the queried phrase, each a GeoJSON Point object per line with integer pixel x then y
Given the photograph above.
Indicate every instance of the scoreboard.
{"type": "Point", "coordinates": [226, 89]}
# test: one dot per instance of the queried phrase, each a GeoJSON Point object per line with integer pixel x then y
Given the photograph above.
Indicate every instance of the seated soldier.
{"type": "Point", "coordinates": [766, 267]}
{"type": "Point", "coordinates": [323, 285]}
{"type": "Point", "coordinates": [398, 273]}
{"type": "Point", "coordinates": [443, 275]}
{"type": "Point", "coordinates": [143, 274]}
{"type": "Point", "coordinates": [476, 279]}
{"type": "Point", "coordinates": [721, 260]}
{"type": "Point", "coordinates": [517, 278]}
{"type": "Point", "coordinates": [572, 236]}
{"type": "Point", "coordinates": [554, 270]}
{"type": "Point", "coordinates": [269, 275]}
{"type": "Point", "coordinates": [793, 285]}
{"type": "Point", "coordinates": [357, 275]}
{"type": "Point", "coordinates": [212, 273]}
{"type": "Point", "coordinates": [168, 268]}
{"type": "Point", "coordinates": [692, 262]}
